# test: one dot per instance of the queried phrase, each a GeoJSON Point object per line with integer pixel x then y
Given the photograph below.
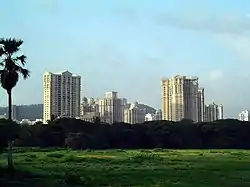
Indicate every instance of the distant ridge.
{"type": "Point", "coordinates": [147, 108]}
{"type": "Point", "coordinates": [32, 111]}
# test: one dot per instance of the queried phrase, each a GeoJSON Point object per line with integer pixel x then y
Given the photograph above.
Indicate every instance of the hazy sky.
{"type": "Point", "coordinates": [129, 45]}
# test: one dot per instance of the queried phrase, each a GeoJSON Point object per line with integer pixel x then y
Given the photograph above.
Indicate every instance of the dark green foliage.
{"type": "Point", "coordinates": [77, 134]}
{"type": "Point", "coordinates": [8, 131]}
{"type": "Point", "coordinates": [12, 64]}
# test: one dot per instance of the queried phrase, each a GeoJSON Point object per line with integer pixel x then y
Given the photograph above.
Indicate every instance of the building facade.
{"type": "Point", "coordinates": [62, 93]}
{"type": "Point", "coordinates": [89, 110]}
{"type": "Point", "coordinates": [131, 114]}
{"type": "Point", "coordinates": [213, 112]}
{"type": "Point", "coordinates": [158, 114]}
{"type": "Point", "coordinates": [220, 112]}
{"type": "Point", "coordinates": [244, 115]}
{"type": "Point", "coordinates": [201, 105]}
{"type": "Point", "coordinates": [111, 108]}
{"type": "Point", "coordinates": [179, 98]}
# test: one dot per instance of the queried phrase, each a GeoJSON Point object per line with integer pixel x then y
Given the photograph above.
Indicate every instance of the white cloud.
{"type": "Point", "coordinates": [229, 23]}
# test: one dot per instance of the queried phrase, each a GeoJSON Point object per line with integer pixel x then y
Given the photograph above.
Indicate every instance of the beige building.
{"type": "Point", "coordinates": [201, 105]}
{"type": "Point", "coordinates": [111, 108]}
{"type": "Point", "coordinates": [61, 95]}
{"type": "Point", "coordinates": [134, 114]}
{"type": "Point", "coordinates": [179, 98]}
{"type": "Point", "coordinates": [131, 114]}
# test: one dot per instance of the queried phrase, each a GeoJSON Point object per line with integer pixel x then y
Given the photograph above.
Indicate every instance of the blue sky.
{"type": "Point", "coordinates": [128, 46]}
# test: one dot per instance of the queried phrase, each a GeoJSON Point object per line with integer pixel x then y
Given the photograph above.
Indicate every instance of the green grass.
{"type": "Point", "coordinates": [180, 168]}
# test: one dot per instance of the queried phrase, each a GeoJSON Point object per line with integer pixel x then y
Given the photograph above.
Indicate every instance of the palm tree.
{"type": "Point", "coordinates": [12, 66]}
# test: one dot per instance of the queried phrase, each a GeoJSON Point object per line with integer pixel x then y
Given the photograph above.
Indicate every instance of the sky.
{"type": "Point", "coordinates": [128, 46]}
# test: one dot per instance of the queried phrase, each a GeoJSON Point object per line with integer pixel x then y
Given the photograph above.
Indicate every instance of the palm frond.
{"type": "Point", "coordinates": [2, 63]}
{"type": "Point", "coordinates": [11, 45]}
{"type": "Point", "coordinates": [12, 65]}
{"type": "Point", "coordinates": [24, 72]}
{"type": "Point", "coordinates": [22, 59]}
{"type": "Point", "coordinates": [1, 51]}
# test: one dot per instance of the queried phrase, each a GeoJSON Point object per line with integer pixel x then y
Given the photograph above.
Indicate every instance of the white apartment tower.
{"type": "Point", "coordinates": [213, 112]}
{"type": "Point", "coordinates": [201, 106]}
{"type": "Point", "coordinates": [111, 108]}
{"type": "Point", "coordinates": [179, 98]}
{"type": "Point", "coordinates": [244, 115]}
{"type": "Point", "coordinates": [131, 114]}
{"type": "Point", "coordinates": [62, 95]}
{"type": "Point", "coordinates": [220, 112]}
{"type": "Point", "coordinates": [210, 112]}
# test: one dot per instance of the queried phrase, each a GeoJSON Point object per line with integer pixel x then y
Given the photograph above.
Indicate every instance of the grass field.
{"type": "Point", "coordinates": [186, 168]}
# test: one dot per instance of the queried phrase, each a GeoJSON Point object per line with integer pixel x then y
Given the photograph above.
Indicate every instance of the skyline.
{"type": "Point", "coordinates": [127, 41]}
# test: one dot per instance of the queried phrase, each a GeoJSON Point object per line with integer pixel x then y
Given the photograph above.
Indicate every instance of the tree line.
{"type": "Point", "coordinates": [78, 134]}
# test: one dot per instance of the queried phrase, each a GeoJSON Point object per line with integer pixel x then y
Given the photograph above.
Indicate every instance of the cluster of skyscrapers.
{"type": "Point", "coordinates": [62, 98]}
{"type": "Point", "coordinates": [182, 98]}
{"type": "Point", "coordinates": [112, 109]}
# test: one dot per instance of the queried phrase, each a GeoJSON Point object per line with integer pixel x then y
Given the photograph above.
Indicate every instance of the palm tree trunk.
{"type": "Point", "coordinates": [10, 159]}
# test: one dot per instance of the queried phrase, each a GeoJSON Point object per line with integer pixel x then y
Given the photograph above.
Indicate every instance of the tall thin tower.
{"type": "Point", "coordinates": [201, 105]}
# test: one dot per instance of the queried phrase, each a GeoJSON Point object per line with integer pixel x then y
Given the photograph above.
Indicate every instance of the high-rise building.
{"type": "Point", "coordinates": [158, 114]}
{"type": "Point", "coordinates": [179, 98]}
{"type": "Point", "coordinates": [244, 115]}
{"type": "Point", "coordinates": [220, 112]}
{"type": "Point", "coordinates": [62, 93]}
{"type": "Point", "coordinates": [131, 114]}
{"type": "Point", "coordinates": [201, 106]}
{"type": "Point", "coordinates": [111, 108]}
{"type": "Point", "coordinates": [213, 112]}
{"type": "Point", "coordinates": [89, 110]}
{"type": "Point", "coordinates": [210, 112]}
